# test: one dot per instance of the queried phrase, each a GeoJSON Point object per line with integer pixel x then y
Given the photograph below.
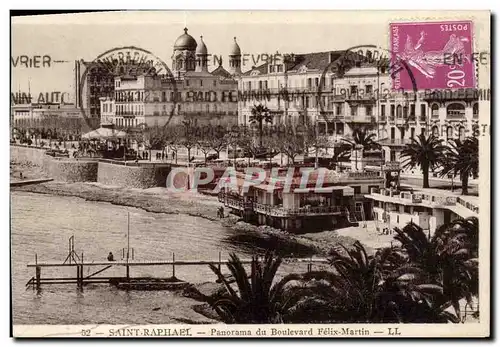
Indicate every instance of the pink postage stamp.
{"type": "Point", "coordinates": [435, 55]}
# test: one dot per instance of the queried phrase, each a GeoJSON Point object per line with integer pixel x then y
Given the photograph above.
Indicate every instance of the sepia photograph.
{"type": "Point", "coordinates": [250, 174]}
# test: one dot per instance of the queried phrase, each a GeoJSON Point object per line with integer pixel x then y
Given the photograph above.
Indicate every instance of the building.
{"type": "Point", "coordinates": [323, 199]}
{"type": "Point", "coordinates": [63, 119]}
{"type": "Point", "coordinates": [192, 94]}
{"type": "Point", "coordinates": [92, 81]}
{"type": "Point", "coordinates": [427, 208]}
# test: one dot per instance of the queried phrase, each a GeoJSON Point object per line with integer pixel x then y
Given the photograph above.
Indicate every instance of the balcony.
{"type": "Point", "coordinates": [455, 114]}
{"type": "Point", "coordinates": [359, 119]}
{"type": "Point", "coordinates": [474, 208]}
{"type": "Point", "coordinates": [279, 211]}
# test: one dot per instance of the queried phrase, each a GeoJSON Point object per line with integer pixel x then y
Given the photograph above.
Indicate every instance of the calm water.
{"type": "Point", "coordinates": [42, 224]}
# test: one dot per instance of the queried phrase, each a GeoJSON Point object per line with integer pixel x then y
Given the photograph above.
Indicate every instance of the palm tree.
{"type": "Point", "coordinates": [256, 299]}
{"type": "Point", "coordinates": [449, 257]}
{"type": "Point", "coordinates": [380, 288]}
{"type": "Point", "coordinates": [462, 158]}
{"type": "Point", "coordinates": [361, 137]}
{"type": "Point", "coordinates": [260, 114]}
{"type": "Point", "coordinates": [425, 152]}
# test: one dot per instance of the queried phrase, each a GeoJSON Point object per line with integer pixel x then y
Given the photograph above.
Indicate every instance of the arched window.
{"type": "Point", "coordinates": [455, 110]}
{"type": "Point", "coordinates": [399, 111]}
{"type": "Point", "coordinates": [435, 131]}
{"type": "Point", "coordinates": [449, 133]}
{"type": "Point", "coordinates": [461, 133]}
{"type": "Point", "coordinates": [435, 110]}
{"type": "Point", "coordinates": [405, 112]}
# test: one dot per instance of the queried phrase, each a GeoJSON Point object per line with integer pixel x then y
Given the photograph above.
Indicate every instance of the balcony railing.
{"type": "Point", "coordinates": [455, 114]}
{"type": "Point", "coordinates": [279, 211]}
{"type": "Point", "coordinates": [468, 205]}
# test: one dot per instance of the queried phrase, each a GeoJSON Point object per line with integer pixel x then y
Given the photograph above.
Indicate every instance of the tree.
{"type": "Point", "coordinates": [426, 152]}
{"type": "Point", "coordinates": [462, 158]}
{"type": "Point", "coordinates": [449, 257]}
{"type": "Point", "coordinates": [260, 114]}
{"type": "Point", "coordinates": [190, 138]}
{"type": "Point", "coordinates": [217, 142]}
{"type": "Point", "coordinates": [256, 300]}
{"type": "Point", "coordinates": [361, 137]}
{"type": "Point", "coordinates": [315, 140]}
{"type": "Point", "coordinates": [291, 143]}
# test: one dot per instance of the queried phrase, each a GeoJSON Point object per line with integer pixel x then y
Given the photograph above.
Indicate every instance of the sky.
{"type": "Point", "coordinates": [86, 36]}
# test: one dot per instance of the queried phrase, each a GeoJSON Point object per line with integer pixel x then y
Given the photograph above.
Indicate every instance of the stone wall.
{"type": "Point", "coordinates": [60, 169]}
{"type": "Point", "coordinates": [72, 170]}
{"type": "Point", "coordinates": [133, 176]}
{"type": "Point", "coordinates": [94, 170]}
{"type": "Point", "coordinates": [27, 155]}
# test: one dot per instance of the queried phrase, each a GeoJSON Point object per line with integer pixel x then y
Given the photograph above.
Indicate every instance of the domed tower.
{"type": "Point", "coordinates": [184, 57]}
{"type": "Point", "coordinates": [235, 59]}
{"type": "Point", "coordinates": [201, 57]}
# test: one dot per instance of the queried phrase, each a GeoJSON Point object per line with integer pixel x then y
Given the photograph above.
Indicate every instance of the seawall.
{"type": "Point", "coordinates": [107, 172]}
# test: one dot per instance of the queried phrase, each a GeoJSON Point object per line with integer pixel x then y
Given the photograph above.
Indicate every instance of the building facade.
{"type": "Point", "coordinates": [63, 119]}
{"type": "Point", "coordinates": [340, 95]}
{"type": "Point", "coordinates": [192, 94]}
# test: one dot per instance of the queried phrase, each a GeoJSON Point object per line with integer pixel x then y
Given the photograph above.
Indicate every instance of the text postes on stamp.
{"type": "Point", "coordinates": [438, 53]}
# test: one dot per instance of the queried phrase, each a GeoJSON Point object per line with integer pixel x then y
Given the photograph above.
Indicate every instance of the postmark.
{"type": "Point", "coordinates": [438, 54]}
{"type": "Point", "coordinates": [98, 79]}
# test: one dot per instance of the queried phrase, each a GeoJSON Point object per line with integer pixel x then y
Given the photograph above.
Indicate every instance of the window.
{"type": "Point", "coordinates": [412, 132]}
{"type": "Point", "coordinates": [260, 85]}
{"type": "Point", "coordinates": [435, 110]}
{"type": "Point", "coordinates": [399, 111]}
{"type": "Point", "coordinates": [449, 133]}
{"type": "Point", "coordinates": [354, 90]}
{"type": "Point", "coordinates": [201, 83]}
{"type": "Point", "coordinates": [164, 96]}
{"type": "Point", "coordinates": [187, 83]}
{"type": "Point", "coordinates": [435, 131]}
{"type": "Point", "coordinates": [369, 89]}
{"type": "Point", "coordinates": [407, 209]}
{"type": "Point", "coordinates": [316, 82]}
{"type": "Point", "coordinates": [215, 83]}
{"type": "Point", "coordinates": [265, 84]}
{"type": "Point", "coordinates": [357, 189]}
{"type": "Point", "coordinates": [393, 108]}
{"type": "Point", "coordinates": [354, 110]}
{"type": "Point", "coordinates": [475, 110]}
{"type": "Point", "coordinates": [271, 68]}
{"type": "Point", "coordinates": [249, 85]}
{"type": "Point", "coordinates": [422, 112]}
{"type": "Point", "coordinates": [307, 102]}
{"type": "Point", "coordinates": [309, 83]}
{"type": "Point", "coordinates": [412, 110]}
{"type": "Point", "coordinates": [461, 134]}
{"type": "Point", "coordinates": [382, 111]}
{"type": "Point", "coordinates": [422, 131]}
{"type": "Point", "coordinates": [402, 131]}
{"type": "Point", "coordinates": [393, 133]}
{"type": "Point", "coordinates": [455, 110]}
{"type": "Point", "coordinates": [338, 109]}
{"type": "Point", "coordinates": [369, 110]}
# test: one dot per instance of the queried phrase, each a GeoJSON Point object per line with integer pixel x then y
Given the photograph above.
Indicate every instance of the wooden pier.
{"type": "Point", "coordinates": [77, 263]}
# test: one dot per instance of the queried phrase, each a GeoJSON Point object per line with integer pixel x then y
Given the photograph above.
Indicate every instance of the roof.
{"type": "Point", "coordinates": [185, 42]}
{"type": "Point", "coordinates": [321, 60]}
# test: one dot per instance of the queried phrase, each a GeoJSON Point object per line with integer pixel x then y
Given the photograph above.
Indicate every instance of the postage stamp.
{"type": "Point", "coordinates": [215, 189]}
{"type": "Point", "coordinates": [438, 53]}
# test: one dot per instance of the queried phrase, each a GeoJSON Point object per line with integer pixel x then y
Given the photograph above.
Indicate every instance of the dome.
{"type": "Point", "coordinates": [185, 42]}
{"type": "Point", "coordinates": [202, 48]}
{"type": "Point", "coordinates": [235, 49]}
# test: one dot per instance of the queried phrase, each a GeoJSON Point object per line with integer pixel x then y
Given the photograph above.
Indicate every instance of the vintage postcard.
{"type": "Point", "coordinates": [250, 174]}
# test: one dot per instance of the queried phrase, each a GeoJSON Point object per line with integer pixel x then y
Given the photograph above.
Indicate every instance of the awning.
{"type": "Point", "coordinates": [104, 134]}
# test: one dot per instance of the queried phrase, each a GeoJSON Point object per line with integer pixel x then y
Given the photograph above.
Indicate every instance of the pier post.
{"type": "Point", "coordinates": [128, 273]}
{"type": "Point", "coordinates": [220, 260]}
{"type": "Point", "coordinates": [173, 264]}
{"type": "Point", "coordinates": [38, 271]}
